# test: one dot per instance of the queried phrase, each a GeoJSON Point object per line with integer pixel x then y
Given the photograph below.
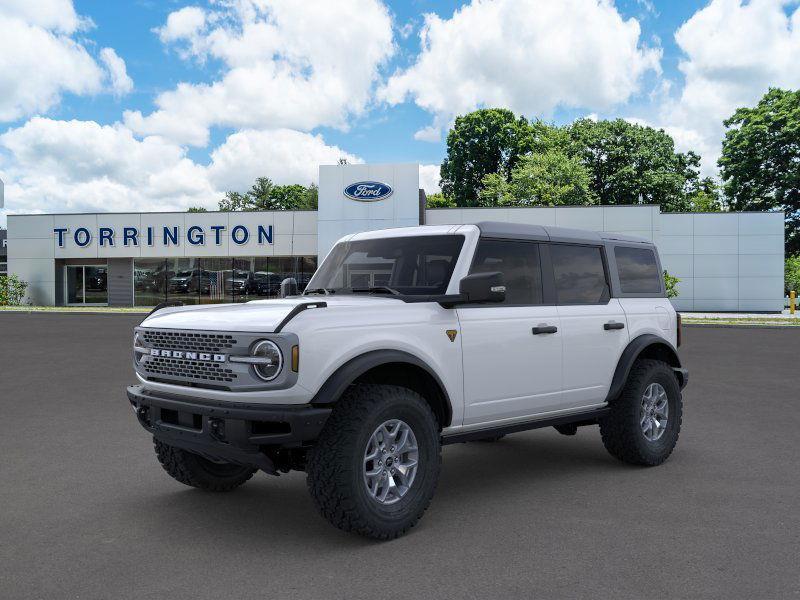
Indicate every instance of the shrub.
{"type": "Point", "coordinates": [672, 285]}
{"type": "Point", "coordinates": [12, 290]}
{"type": "Point", "coordinates": [792, 274]}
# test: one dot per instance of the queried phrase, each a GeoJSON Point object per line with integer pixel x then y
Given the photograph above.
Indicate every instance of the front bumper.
{"type": "Point", "coordinates": [232, 432]}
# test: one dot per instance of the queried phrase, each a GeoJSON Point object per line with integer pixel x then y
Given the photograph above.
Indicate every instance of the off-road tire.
{"type": "Point", "coordinates": [335, 464]}
{"type": "Point", "coordinates": [621, 431]}
{"type": "Point", "coordinates": [196, 471]}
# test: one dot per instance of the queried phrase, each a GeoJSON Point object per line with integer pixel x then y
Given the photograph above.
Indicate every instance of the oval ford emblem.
{"type": "Point", "coordinates": [368, 191]}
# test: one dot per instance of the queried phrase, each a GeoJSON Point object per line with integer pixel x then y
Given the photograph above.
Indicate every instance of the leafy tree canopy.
{"type": "Point", "coordinates": [627, 161]}
{"type": "Point", "coordinates": [482, 142]}
{"type": "Point", "coordinates": [439, 200]}
{"type": "Point", "coordinates": [760, 162]}
{"type": "Point", "coordinates": [265, 195]}
{"type": "Point", "coordinates": [548, 179]}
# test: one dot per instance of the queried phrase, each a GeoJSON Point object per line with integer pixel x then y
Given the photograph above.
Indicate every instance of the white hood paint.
{"type": "Point", "coordinates": [261, 316]}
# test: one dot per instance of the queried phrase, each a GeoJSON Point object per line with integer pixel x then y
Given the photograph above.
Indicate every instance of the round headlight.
{"type": "Point", "coordinates": [271, 367]}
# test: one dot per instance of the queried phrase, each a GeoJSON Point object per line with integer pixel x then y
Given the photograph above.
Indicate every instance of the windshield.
{"type": "Point", "coordinates": [419, 265]}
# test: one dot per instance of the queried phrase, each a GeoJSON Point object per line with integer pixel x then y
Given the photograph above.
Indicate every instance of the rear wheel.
{"type": "Point", "coordinates": [375, 466]}
{"type": "Point", "coordinates": [194, 470]}
{"type": "Point", "coordinates": [645, 420]}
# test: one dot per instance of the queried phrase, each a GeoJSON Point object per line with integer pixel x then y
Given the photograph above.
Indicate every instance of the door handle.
{"type": "Point", "coordinates": [544, 329]}
{"type": "Point", "coordinates": [609, 326]}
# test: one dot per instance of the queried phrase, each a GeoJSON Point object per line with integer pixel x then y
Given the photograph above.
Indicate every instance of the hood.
{"type": "Point", "coordinates": [261, 316]}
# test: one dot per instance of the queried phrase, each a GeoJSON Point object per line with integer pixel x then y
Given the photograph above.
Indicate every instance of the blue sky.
{"type": "Point", "coordinates": [144, 104]}
{"type": "Point", "coordinates": [127, 26]}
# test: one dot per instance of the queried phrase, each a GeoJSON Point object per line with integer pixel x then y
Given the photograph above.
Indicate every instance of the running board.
{"type": "Point", "coordinates": [582, 418]}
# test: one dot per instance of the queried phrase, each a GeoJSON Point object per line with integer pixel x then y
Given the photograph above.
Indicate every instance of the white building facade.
{"type": "Point", "coordinates": [725, 261]}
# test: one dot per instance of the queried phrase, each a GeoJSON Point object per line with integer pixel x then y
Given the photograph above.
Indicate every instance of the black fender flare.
{"type": "Point", "coordinates": [633, 350]}
{"type": "Point", "coordinates": [346, 374]}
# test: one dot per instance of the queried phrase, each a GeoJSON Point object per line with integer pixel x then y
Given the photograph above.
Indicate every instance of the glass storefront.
{"type": "Point", "coordinates": [212, 280]}
{"type": "Point", "coordinates": [87, 284]}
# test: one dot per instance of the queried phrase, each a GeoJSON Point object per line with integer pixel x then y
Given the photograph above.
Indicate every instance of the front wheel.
{"type": "Point", "coordinates": [645, 420]}
{"type": "Point", "coordinates": [376, 463]}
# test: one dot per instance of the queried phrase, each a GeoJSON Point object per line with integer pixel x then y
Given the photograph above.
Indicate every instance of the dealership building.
{"type": "Point", "coordinates": [725, 261]}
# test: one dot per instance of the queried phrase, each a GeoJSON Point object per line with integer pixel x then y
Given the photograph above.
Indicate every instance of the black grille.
{"type": "Point", "coordinates": [194, 342]}
{"type": "Point", "coordinates": [188, 369]}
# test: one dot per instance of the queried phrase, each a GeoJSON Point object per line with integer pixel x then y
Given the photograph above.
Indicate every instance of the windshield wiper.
{"type": "Point", "coordinates": [376, 289]}
{"type": "Point", "coordinates": [323, 291]}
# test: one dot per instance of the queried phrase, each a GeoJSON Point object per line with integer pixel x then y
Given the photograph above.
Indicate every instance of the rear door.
{"type": "Point", "coordinates": [512, 351]}
{"type": "Point", "coordinates": [593, 325]}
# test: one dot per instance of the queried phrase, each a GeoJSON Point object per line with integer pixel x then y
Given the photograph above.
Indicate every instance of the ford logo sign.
{"type": "Point", "coordinates": [368, 191]}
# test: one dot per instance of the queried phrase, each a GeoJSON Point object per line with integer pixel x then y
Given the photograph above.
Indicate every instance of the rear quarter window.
{"type": "Point", "coordinates": [638, 270]}
{"type": "Point", "coordinates": [579, 274]}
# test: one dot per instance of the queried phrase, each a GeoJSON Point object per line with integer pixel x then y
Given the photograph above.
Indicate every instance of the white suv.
{"type": "Point", "coordinates": [408, 339]}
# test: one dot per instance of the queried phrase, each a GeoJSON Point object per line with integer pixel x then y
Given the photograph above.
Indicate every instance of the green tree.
{"type": "Point", "coordinates": [260, 195]}
{"type": "Point", "coordinates": [197, 209]}
{"type": "Point", "coordinates": [626, 161]}
{"type": "Point", "coordinates": [760, 162]}
{"type": "Point", "coordinates": [12, 290]}
{"type": "Point", "coordinates": [791, 277]}
{"type": "Point", "coordinates": [485, 141]}
{"type": "Point", "coordinates": [311, 197]}
{"type": "Point", "coordinates": [439, 200]}
{"type": "Point", "coordinates": [234, 201]}
{"type": "Point", "coordinates": [265, 195]}
{"type": "Point", "coordinates": [495, 190]}
{"type": "Point", "coordinates": [549, 179]}
{"type": "Point", "coordinates": [706, 196]}
{"type": "Point", "coordinates": [288, 197]}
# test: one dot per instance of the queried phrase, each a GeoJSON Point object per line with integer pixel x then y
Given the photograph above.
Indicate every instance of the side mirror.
{"type": "Point", "coordinates": [483, 287]}
{"type": "Point", "coordinates": [288, 287]}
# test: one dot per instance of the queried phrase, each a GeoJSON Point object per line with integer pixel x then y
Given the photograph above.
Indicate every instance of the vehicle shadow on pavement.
{"type": "Point", "coordinates": [269, 510]}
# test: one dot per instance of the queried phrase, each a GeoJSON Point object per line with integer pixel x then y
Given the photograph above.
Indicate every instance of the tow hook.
{"type": "Point", "coordinates": [143, 414]}
{"type": "Point", "coordinates": [216, 428]}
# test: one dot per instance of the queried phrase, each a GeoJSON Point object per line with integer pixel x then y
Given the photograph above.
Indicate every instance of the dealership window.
{"type": "Point", "coordinates": [638, 270]}
{"type": "Point", "coordinates": [579, 274]}
{"type": "Point", "coordinates": [86, 284]}
{"type": "Point", "coordinates": [216, 279]}
{"type": "Point", "coordinates": [519, 264]}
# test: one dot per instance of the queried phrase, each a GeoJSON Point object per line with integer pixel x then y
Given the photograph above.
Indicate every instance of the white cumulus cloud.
{"type": "Point", "coordinates": [286, 64]}
{"type": "Point", "coordinates": [42, 57]}
{"type": "Point", "coordinates": [733, 52]}
{"type": "Point", "coordinates": [429, 178]}
{"type": "Point", "coordinates": [82, 166]}
{"type": "Point", "coordinates": [528, 55]}
{"type": "Point", "coordinates": [121, 83]}
{"type": "Point", "coordinates": [284, 155]}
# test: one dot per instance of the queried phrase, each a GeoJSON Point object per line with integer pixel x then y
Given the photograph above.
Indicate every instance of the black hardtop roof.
{"type": "Point", "coordinates": [547, 233]}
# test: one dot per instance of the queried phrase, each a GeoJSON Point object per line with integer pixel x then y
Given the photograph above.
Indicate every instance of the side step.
{"type": "Point", "coordinates": [582, 418]}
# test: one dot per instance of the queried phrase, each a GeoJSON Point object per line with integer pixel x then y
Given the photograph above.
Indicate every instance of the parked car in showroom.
{"type": "Point", "coordinates": [190, 281]}
{"type": "Point", "coordinates": [267, 283]}
{"type": "Point", "coordinates": [466, 332]}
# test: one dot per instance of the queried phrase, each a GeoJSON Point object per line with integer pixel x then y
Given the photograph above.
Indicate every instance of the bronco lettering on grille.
{"type": "Point", "coordinates": [204, 356]}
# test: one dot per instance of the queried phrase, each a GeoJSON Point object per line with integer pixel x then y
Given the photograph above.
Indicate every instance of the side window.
{"type": "Point", "coordinates": [579, 274]}
{"type": "Point", "coordinates": [638, 270]}
{"type": "Point", "coordinates": [519, 264]}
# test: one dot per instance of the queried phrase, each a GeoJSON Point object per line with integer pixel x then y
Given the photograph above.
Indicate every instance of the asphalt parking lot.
{"type": "Point", "coordinates": [87, 512]}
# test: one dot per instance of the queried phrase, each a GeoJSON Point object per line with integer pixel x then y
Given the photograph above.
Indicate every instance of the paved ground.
{"type": "Point", "coordinates": [86, 512]}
